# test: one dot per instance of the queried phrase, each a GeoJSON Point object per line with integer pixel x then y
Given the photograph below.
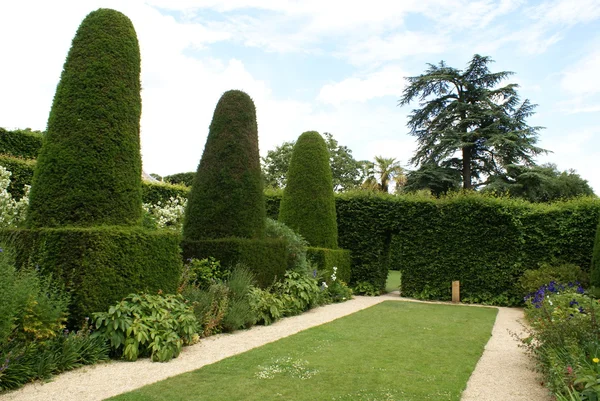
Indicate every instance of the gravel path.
{"type": "Point", "coordinates": [503, 373]}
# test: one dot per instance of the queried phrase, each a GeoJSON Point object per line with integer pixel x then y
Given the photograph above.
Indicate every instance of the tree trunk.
{"type": "Point", "coordinates": [466, 167]}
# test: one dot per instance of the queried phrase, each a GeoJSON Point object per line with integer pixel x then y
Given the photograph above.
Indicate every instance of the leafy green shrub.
{"type": "Point", "coordinates": [89, 169]}
{"type": "Point", "coordinates": [564, 273]}
{"type": "Point", "coordinates": [99, 266]}
{"type": "Point", "coordinates": [308, 205]}
{"type": "Point", "coordinates": [298, 291]}
{"type": "Point", "coordinates": [268, 307]}
{"type": "Point", "coordinates": [226, 199]}
{"type": "Point", "coordinates": [209, 306]}
{"type": "Point", "coordinates": [24, 144]}
{"type": "Point", "coordinates": [296, 245]}
{"type": "Point", "coordinates": [266, 258]}
{"type": "Point", "coordinates": [12, 212]}
{"type": "Point", "coordinates": [203, 273]}
{"type": "Point", "coordinates": [337, 290]}
{"type": "Point", "coordinates": [366, 288]}
{"type": "Point", "coordinates": [239, 313]}
{"type": "Point", "coordinates": [148, 325]}
{"type": "Point", "coordinates": [168, 214]}
{"type": "Point", "coordinates": [326, 259]}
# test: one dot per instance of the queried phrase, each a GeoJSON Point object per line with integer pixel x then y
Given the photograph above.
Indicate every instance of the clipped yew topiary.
{"type": "Point", "coordinates": [226, 199]}
{"type": "Point", "coordinates": [89, 168]}
{"type": "Point", "coordinates": [595, 271]}
{"type": "Point", "coordinates": [308, 205]}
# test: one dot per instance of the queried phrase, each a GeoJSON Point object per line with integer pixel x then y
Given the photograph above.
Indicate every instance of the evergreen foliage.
{"type": "Point", "coordinates": [181, 178]}
{"type": "Point", "coordinates": [89, 168]}
{"type": "Point", "coordinates": [308, 205]}
{"type": "Point", "coordinates": [20, 143]}
{"type": "Point", "coordinates": [595, 271]}
{"type": "Point", "coordinates": [226, 199]}
{"type": "Point", "coordinates": [21, 174]}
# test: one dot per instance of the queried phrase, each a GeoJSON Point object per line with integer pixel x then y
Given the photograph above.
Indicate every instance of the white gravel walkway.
{"type": "Point", "coordinates": [503, 373]}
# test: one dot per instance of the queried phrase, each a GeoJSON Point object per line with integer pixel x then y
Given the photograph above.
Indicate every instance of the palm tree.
{"type": "Point", "coordinates": [388, 170]}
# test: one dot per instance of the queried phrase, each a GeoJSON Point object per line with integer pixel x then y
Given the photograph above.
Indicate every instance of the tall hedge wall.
{"type": "Point", "coordinates": [226, 199]}
{"type": "Point", "coordinates": [595, 270]}
{"type": "Point", "coordinates": [92, 144]}
{"type": "Point", "coordinates": [20, 143]}
{"type": "Point", "coordinates": [100, 266]}
{"type": "Point", "coordinates": [308, 206]}
{"type": "Point", "coordinates": [484, 242]}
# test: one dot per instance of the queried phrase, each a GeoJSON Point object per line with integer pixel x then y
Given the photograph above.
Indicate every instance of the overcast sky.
{"type": "Point", "coordinates": [325, 65]}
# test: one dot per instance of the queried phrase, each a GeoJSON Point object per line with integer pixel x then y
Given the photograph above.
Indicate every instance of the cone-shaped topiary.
{"type": "Point", "coordinates": [308, 205]}
{"type": "Point", "coordinates": [595, 271]}
{"type": "Point", "coordinates": [226, 199]}
{"type": "Point", "coordinates": [89, 168]}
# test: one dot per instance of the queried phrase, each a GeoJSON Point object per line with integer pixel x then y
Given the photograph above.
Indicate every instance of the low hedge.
{"type": "Point", "coordinates": [325, 259]}
{"type": "Point", "coordinates": [22, 174]}
{"type": "Point", "coordinates": [266, 258]}
{"type": "Point", "coordinates": [20, 143]}
{"type": "Point", "coordinates": [100, 266]}
{"type": "Point", "coordinates": [155, 192]}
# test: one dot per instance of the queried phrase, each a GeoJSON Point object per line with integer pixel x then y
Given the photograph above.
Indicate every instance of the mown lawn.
{"type": "Point", "coordinates": [393, 281]}
{"type": "Point", "coordinates": [391, 351]}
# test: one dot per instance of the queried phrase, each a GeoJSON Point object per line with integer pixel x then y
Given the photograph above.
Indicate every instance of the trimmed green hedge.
{"type": "Point", "coordinates": [88, 171]}
{"type": "Point", "coordinates": [155, 192]}
{"type": "Point", "coordinates": [325, 259]}
{"type": "Point", "coordinates": [99, 266]}
{"type": "Point", "coordinates": [595, 270]}
{"type": "Point", "coordinates": [266, 258]}
{"type": "Point", "coordinates": [185, 179]}
{"type": "Point", "coordinates": [308, 205]}
{"type": "Point", "coordinates": [22, 174]}
{"type": "Point", "coordinates": [20, 143]}
{"type": "Point", "coordinates": [226, 199]}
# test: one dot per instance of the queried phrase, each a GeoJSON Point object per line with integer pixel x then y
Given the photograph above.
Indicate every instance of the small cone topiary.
{"type": "Point", "coordinates": [226, 199]}
{"type": "Point", "coordinates": [88, 171]}
{"type": "Point", "coordinates": [308, 205]}
{"type": "Point", "coordinates": [595, 271]}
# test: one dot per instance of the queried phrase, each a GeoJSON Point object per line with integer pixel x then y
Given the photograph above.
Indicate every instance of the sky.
{"type": "Point", "coordinates": [324, 65]}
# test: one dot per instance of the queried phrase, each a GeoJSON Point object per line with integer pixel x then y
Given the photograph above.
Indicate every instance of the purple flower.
{"type": "Point", "coordinates": [573, 302]}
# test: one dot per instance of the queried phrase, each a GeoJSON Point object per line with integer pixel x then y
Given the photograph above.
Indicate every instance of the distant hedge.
{"type": "Point", "coordinates": [21, 174]}
{"type": "Point", "coordinates": [326, 259]}
{"type": "Point", "coordinates": [155, 192]}
{"type": "Point", "coordinates": [484, 242]}
{"type": "Point", "coordinates": [181, 178]}
{"type": "Point", "coordinates": [226, 199]}
{"type": "Point", "coordinates": [88, 171]}
{"type": "Point", "coordinates": [100, 266]}
{"type": "Point", "coordinates": [308, 205]}
{"type": "Point", "coordinates": [24, 144]}
{"type": "Point", "coordinates": [266, 258]}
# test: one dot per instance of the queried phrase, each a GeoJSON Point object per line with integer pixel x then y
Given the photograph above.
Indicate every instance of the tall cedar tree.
{"type": "Point", "coordinates": [226, 199]}
{"type": "Point", "coordinates": [89, 168]}
{"type": "Point", "coordinates": [308, 205]}
{"type": "Point", "coordinates": [468, 124]}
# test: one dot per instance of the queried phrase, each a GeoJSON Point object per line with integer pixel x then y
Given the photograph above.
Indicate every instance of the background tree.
{"type": "Point", "coordinates": [379, 175]}
{"type": "Point", "coordinates": [543, 183]}
{"type": "Point", "coordinates": [344, 168]}
{"type": "Point", "coordinates": [437, 179]}
{"type": "Point", "coordinates": [465, 118]}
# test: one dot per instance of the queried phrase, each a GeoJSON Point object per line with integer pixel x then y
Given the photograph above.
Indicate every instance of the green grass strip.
{"type": "Point", "coordinates": [391, 351]}
{"type": "Point", "coordinates": [393, 281]}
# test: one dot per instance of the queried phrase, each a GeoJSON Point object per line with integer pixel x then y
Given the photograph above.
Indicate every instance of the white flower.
{"type": "Point", "coordinates": [324, 285]}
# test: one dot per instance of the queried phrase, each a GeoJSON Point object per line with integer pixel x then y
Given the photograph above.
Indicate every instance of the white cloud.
{"type": "Point", "coordinates": [388, 81]}
{"type": "Point", "coordinates": [581, 78]}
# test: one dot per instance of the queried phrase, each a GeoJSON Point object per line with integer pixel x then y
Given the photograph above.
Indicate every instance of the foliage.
{"type": "Point", "coordinates": [298, 291]}
{"type": "Point", "coordinates": [21, 174]}
{"type": "Point", "coordinates": [366, 288]}
{"type": "Point", "coordinates": [359, 357]}
{"type": "Point", "coordinates": [148, 325]}
{"type": "Point", "coordinates": [154, 192]}
{"type": "Point", "coordinates": [202, 273]}
{"type": "Point", "coordinates": [209, 306]}
{"type": "Point", "coordinates": [465, 111]}
{"type": "Point", "coordinates": [268, 307]}
{"type": "Point", "coordinates": [565, 339]}
{"type": "Point", "coordinates": [381, 173]}
{"type": "Point", "coordinates": [99, 266]}
{"type": "Point", "coordinates": [437, 179]}
{"type": "Point", "coordinates": [324, 260]}
{"type": "Point", "coordinates": [595, 269]}
{"type": "Point", "coordinates": [21, 143]}
{"type": "Point", "coordinates": [226, 199]}
{"type": "Point", "coordinates": [239, 313]}
{"type": "Point", "coordinates": [345, 170]}
{"type": "Point", "coordinates": [181, 178]}
{"type": "Point", "coordinates": [24, 362]}
{"type": "Point", "coordinates": [296, 245]}
{"type": "Point", "coordinates": [564, 273]}
{"type": "Point", "coordinates": [89, 169]}
{"type": "Point", "coordinates": [543, 183]}
{"type": "Point", "coordinates": [308, 204]}
{"type": "Point", "coordinates": [12, 212]}
{"type": "Point", "coordinates": [168, 215]}
{"type": "Point", "coordinates": [337, 290]}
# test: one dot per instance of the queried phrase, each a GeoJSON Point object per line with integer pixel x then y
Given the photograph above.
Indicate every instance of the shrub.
{"type": "Point", "coordinates": [266, 259]}
{"type": "Point", "coordinates": [326, 259]}
{"type": "Point", "coordinates": [202, 273]}
{"type": "Point", "coordinates": [24, 144]}
{"type": "Point", "coordinates": [226, 199]}
{"type": "Point", "coordinates": [21, 174]}
{"type": "Point", "coordinates": [148, 325]}
{"type": "Point", "coordinates": [564, 273]}
{"type": "Point", "coordinates": [12, 212]}
{"type": "Point", "coordinates": [181, 178]}
{"type": "Point", "coordinates": [308, 205]}
{"type": "Point", "coordinates": [239, 313]}
{"type": "Point", "coordinates": [296, 245]}
{"type": "Point", "coordinates": [154, 192]}
{"type": "Point", "coordinates": [100, 266]}
{"type": "Point", "coordinates": [89, 168]}
{"type": "Point", "coordinates": [168, 214]}
{"type": "Point", "coordinates": [337, 290]}
{"type": "Point", "coordinates": [268, 307]}
{"type": "Point", "coordinates": [298, 291]}
{"type": "Point", "coordinates": [209, 305]}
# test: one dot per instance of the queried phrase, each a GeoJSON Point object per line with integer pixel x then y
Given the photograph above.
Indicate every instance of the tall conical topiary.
{"type": "Point", "coordinates": [595, 271]}
{"type": "Point", "coordinates": [88, 171]}
{"type": "Point", "coordinates": [308, 205]}
{"type": "Point", "coordinates": [226, 199]}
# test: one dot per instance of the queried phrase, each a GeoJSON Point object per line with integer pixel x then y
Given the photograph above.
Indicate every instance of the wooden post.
{"type": "Point", "coordinates": [456, 291]}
